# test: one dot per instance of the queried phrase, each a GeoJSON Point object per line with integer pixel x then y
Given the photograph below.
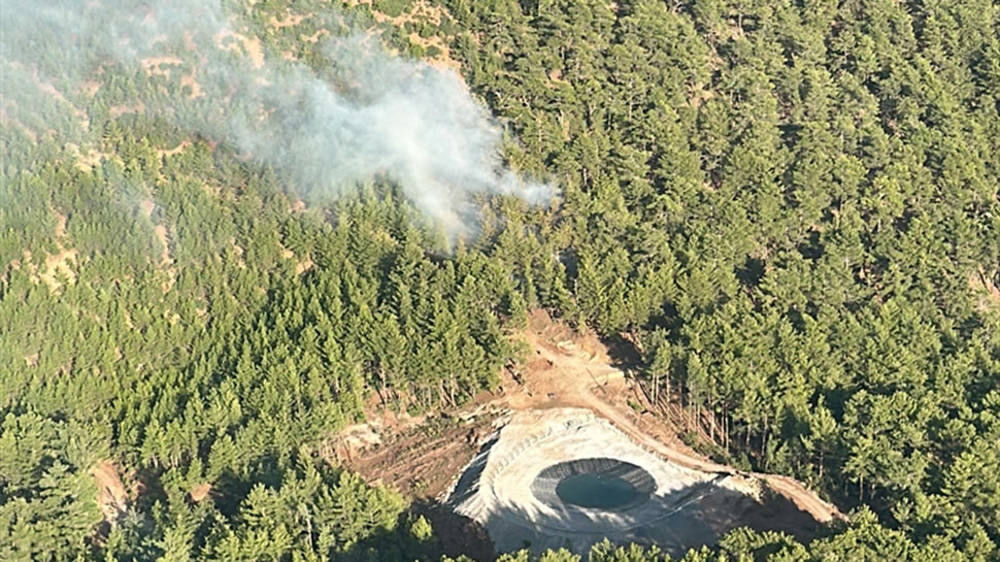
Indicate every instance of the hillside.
{"type": "Point", "coordinates": [229, 230]}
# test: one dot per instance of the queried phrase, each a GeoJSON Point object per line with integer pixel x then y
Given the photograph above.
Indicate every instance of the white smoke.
{"type": "Point", "coordinates": [387, 116]}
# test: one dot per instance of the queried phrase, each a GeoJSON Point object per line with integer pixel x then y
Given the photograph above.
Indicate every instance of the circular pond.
{"type": "Point", "coordinates": [596, 490]}
{"type": "Point", "coordinates": [595, 483]}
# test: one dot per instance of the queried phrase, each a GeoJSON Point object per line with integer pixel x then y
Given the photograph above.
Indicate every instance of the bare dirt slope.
{"type": "Point", "coordinates": [570, 370]}
{"type": "Point", "coordinates": [112, 496]}
{"type": "Point", "coordinates": [419, 457]}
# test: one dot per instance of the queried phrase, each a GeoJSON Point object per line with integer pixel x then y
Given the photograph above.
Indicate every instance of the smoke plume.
{"type": "Point", "coordinates": [370, 115]}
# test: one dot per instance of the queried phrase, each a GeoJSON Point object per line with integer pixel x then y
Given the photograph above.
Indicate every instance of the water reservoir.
{"type": "Point", "coordinates": [596, 490]}
{"type": "Point", "coordinates": [594, 483]}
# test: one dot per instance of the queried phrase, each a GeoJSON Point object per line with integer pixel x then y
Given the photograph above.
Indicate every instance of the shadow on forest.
{"type": "Point", "coordinates": [454, 535]}
{"type": "Point", "coordinates": [623, 353]}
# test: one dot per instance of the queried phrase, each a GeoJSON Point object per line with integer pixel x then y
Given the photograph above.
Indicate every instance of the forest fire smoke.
{"type": "Point", "coordinates": [416, 124]}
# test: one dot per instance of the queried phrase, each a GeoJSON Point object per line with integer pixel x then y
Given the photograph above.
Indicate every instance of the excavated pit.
{"type": "Point", "coordinates": [599, 483]}
{"type": "Point", "coordinates": [566, 478]}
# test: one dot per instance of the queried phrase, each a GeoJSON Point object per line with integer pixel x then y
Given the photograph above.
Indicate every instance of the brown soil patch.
{"type": "Point", "coordinates": [121, 109]}
{"type": "Point", "coordinates": [304, 265]}
{"type": "Point", "coordinates": [162, 233]}
{"type": "Point", "coordinates": [314, 38]}
{"type": "Point", "coordinates": [161, 65]}
{"type": "Point", "coordinates": [698, 95]}
{"type": "Point", "coordinates": [60, 224]}
{"type": "Point", "coordinates": [982, 282]}
{"type": "Point", "coordinates": [555, 79]}
{"type": "Point", "coordinates": [285, 252]}
{"type": "Point", "coordinates": [200, 492]}
{"type": "Point", "coordinates": [26, 263]}
{"type": "Point", "coordinates": [86, 162]}
{"type": "Point", "coordinates": [290, 20]}
{"type": "Point", "coordinates": [111, 496]}
{"type": "Point", "coordinates": [175, 150]}
{"type": "Point", "coordinates": [419, 459]}
{"type": "Point", "coordinates": [250, 46]}
{"type": "Point", "coordinates": [146, 207]}
{"type": "Point", "coordinates": [420, 11]}
{"type": "Point", "coordinates": [443, 59]}
{"type": "Point", "coordinates": [57, 268]}
{"type": "Point", "coordinates": [164, 66]}
{"type": "Point", "coordinates": [188, 80]}
{"type": "Point", "coordinates": [90, 87]}
{"type": "Point", "coordinates": [163, 236]}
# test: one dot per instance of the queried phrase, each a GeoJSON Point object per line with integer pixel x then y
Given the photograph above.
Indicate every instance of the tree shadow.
{"type": "Point", "coordinates": [623, 353]}
{"type": "Point", "coordinates": [455, 534]}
